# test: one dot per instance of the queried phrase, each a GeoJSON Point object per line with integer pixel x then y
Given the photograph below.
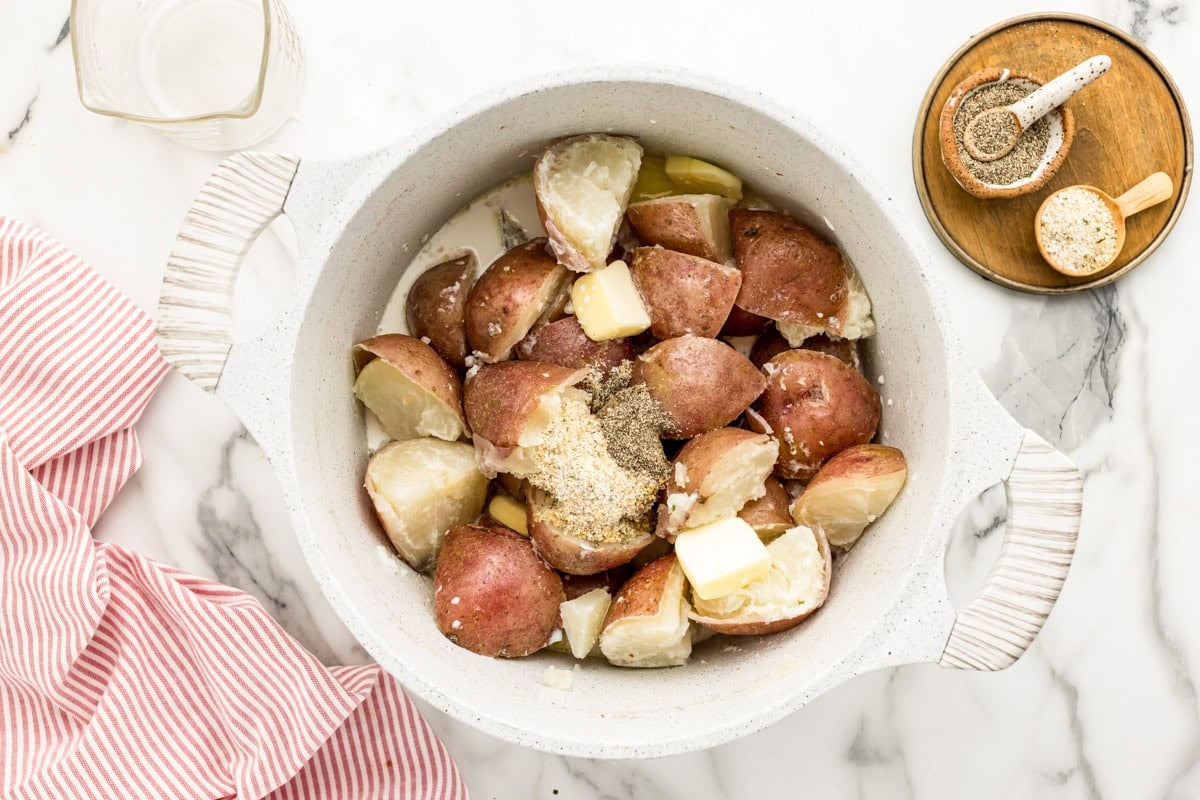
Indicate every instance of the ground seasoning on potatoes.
{"type": "Point", "coordinates": [591, 495]}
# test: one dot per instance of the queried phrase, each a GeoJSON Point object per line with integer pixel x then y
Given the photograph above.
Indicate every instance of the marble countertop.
{"type": "Point", "coordinates": [1104, 705]}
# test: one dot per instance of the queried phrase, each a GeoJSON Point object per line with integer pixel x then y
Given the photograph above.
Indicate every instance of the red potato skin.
{"type": "Point", "coordinates": [859, 463]}
{"type": "Point", "coordinates": [674, 223]}
{"type": "Point", "coordinates": [842, 349]}
{"type": "Point", "coordinates": [702, 384]}
{"type": "Point", "coordinates": [610, 580]}
{"type": "Point", "coordinates": [741, 322]}
{"type": "Point", "coordinates": [683, 294]}
{"type": "Point", "coordinates": [766, 347]}
{"type": "Point", "coordinates": [816, 406]}
{"type": "Point", "coordinates": [643, 593]}
{"type": "Point", "coordinates": [436, 307]}
{"type": "Point", "coordinates": [788, 272]}
{"type": "Point", "coordinates": [419, 362]}
{"type": "Point", "coordinates": [507, 598]}
{"type": "Point", "coordinates": [564, 343]}
{"type": "Point", "coordinates": [501, 397]}
{"type": "Point", "coordinates": [761, 627]}
{"type": "Point", "coordinates": [771, 510]}
{"type": "Point", "coordinates": [503, 305]}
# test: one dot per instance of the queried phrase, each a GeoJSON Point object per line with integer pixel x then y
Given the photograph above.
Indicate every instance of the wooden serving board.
{"type": "Point", "coordinates": [1129, 123]}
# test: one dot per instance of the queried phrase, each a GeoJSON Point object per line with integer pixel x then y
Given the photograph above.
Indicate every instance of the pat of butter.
{"type": "Point", "coordinates": [607, 305]}
{"type": "Point", "coordinates": [721, 557]}
{"type": "Point", "coordinates": [509, 512]}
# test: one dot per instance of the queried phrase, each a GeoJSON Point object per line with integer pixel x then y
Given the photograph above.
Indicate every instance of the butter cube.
{"type": "Point", "coordinates": [509, 512]}
{"type": "Point", "coordinates": [607, 305]}
{"type": "Point", "coordinates": [721, 557]}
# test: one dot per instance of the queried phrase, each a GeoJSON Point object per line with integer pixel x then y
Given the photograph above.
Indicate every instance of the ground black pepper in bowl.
{"type": "Point", "coordinates": [1030, 149]}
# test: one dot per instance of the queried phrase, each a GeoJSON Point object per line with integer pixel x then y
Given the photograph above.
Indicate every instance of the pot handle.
{"type": "Point", "coordinates": [244, 194]}
{"type": "Point", "coordinates": [1045, 499]}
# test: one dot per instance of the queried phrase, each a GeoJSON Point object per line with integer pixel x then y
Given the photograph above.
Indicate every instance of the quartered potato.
{"type": "Point", "coordinates": [851, 491]}
{"type": "Point", "coordinates": [493, 595]}
{"type": "Point", "coordinates": [509, 406]}
{"type": "Point", "coordinates": [521, 288]}
{"type": "Point", "coordinates": [421, 488]}
{"type": "Point", "coordinates": [564, 343]}
{"type": "Point", "coordinates": [714, 476]}
{"type": "Point", "coordinates": [572, 554]}
{"type": "Point", "coordinates": [696, 224]}
{"type": "Point", "coordinates": [647, 624]}
{"type": "Point", "coordinates": [583, 185]}
{"type": "Point", "coordinates": [702, 384]}
{"type": "Point", "coordinates": [435, 308]}
{"type": "Point", "coordinates": [683, 294]}
{"type": "Point", "coordinates": [816, 406]}
{"type": "Point", "coordinates": [408, 386]}
{"type": "Point", "coordinates": [793, 276]}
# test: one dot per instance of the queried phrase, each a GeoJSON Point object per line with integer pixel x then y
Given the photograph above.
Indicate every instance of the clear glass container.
{"type": "Point", "coordinates": [213, 74]}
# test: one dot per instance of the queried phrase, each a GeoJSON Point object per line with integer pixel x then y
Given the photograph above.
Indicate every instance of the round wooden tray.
{"type": "Point", "coordinates": [1129, 123]}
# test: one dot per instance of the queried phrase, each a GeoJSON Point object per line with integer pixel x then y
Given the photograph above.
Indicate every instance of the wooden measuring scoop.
{"type": "Point", "coordinates": [993, 133]}
{"type": "Point", "coordinates": [1146, 193]}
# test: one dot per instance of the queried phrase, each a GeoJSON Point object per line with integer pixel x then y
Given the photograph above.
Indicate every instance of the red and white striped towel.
{"type": "Point", "coordinates": [121, 677]}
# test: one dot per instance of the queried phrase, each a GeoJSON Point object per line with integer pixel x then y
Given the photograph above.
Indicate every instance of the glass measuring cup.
{"type": "Point", "coordinates": [213, 74]}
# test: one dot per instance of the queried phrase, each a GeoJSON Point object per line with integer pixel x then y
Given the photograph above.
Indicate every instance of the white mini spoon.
{"type": "Point", "coordinates": [993, 133]}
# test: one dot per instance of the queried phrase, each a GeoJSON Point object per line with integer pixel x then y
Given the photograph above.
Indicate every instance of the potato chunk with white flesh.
{"type": "Point", "coordinates": [420, 489]}
{"type": "Point", "coordinates": [714, 476]}
{"type": "Point", "coordinates": [408, 386]}
{"type": "Point", "coordinates": [583, 185]}
{"type": "Point", "coordinates": [851, 491]}
{"type": "Point", "coordinates": [795, 586]}
{"type": "Point", "coordinates": [721, 557]}
{"type": "Point", "coordinates": [582, 619]}
{"type": "Point", "coordinates": [647, 624]}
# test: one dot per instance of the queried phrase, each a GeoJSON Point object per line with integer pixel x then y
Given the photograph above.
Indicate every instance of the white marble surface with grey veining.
{"type": "Point", "coordinates": [1105, 703]}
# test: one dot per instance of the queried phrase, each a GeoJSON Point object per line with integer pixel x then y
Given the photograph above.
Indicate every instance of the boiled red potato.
{"type": "Point", "coordinates": [816, 406]}
{"type": "Point", "coordinates": [493, 595]}
{"type": "Point", "coordinates": [695, 224]}
{"type": "Point", "coordinates": [582, 619]}
{"type": "Point", "coordinates": [714, 476]}
{"type": "Point", "coordinates": [851, 491]}
{"type": "Point", "coordinates": [683, 294]}
{"type": "Point", "coordinates": [435, 308]}
{"type": "Point", "coordinates": [509, 406]}
{"type": "Point", "coordinates": [741, 322]}
{"type": "Point", "coordinates": [520, 288]}
{"type": "Point", "coordinates": [793, 276]}
{"type": "Point", "coordinates": [573, 554]}
{"type": "Point", "coordinates": [409, 388]}
{"type": "Point", "coordinates": [769, 515]}
{"type": "Point", "coordinates": [842, 349]}
{"type": "Point", "coordinates": [421, 488]}
{"type": "Point", "coordinates": [647, 623]}
{"type": "Point", "coordinates": [702, 384]}
{"type": "Point", "coordinates": [766, 347]}
{"type": "Point", "coordinates": [795, 585]}
{"type": "Point", "coordinates": [564, 343]}
{"type": "Point", "coordinates": [582, 186]}
{"type": "Point", "coordinates": [610, 580]}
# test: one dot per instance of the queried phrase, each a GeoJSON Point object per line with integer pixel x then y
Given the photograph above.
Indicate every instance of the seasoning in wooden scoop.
{"type": "Point", "coordinates": [1078, 232]}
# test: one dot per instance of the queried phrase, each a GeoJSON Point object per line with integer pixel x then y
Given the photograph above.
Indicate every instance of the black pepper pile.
{"type": "Point", "coordinates": [1024, 158]}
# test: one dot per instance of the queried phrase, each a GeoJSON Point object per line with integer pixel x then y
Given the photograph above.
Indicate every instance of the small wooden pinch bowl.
{"type": "Point", "coordinates": [1062, 133]}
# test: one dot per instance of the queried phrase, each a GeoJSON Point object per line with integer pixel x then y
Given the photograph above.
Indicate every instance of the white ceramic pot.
{"type": "Point", "coordinates": [357, 223]}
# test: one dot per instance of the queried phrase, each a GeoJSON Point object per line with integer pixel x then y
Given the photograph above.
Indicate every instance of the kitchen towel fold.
{"type": "Point", "coordinates": [121, 677]}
